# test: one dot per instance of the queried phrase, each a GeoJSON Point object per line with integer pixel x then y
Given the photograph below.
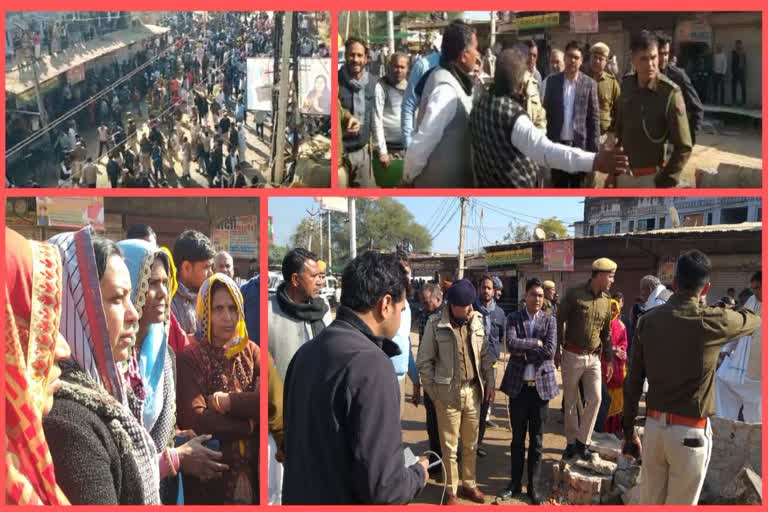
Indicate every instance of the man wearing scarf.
{"type": "Point", "coordinates": [390, 91]}
{"type": "Point", "coordinates": [494, 321]}
{"type": "Point", "coordinates": [297, 313]}
{"type": "Point", "coordinates": [507, 148]}
{"type": "Point", "coordinates": [356, 95]}
{"type": "Point", "coordinates": [439, 155]}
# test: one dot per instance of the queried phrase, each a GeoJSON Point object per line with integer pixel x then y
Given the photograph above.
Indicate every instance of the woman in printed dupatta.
{"type": "Point", "coordinates": [102, 453]}
{"type": "Point", "coordinates": [218, 393]}
{"type": "Point", "coordinates": [33, 349]}
{"type": "Point", "coordinates": [151, 370]}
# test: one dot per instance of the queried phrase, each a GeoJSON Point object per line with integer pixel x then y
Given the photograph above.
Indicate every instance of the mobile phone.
{"type": "Point", "coordinates": [693, 442]}
{"type": "Point", "coordinates": [180, 440]}
{"type": "Point", "coordinates": [213, 444]}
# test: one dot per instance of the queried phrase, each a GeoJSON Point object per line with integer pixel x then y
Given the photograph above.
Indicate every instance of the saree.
{"type": "Point", "coordinates": [32, 313]}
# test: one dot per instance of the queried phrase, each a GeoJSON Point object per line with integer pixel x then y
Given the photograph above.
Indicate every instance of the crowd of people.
{"type": "Point", "coordinates": [457, 116]}
{"type": "Point", "coordinates": [179, 101]}
{"type": "Point", "coordinates": [344, 378]}
{"type": "Point", "coordinates": [131, 374]}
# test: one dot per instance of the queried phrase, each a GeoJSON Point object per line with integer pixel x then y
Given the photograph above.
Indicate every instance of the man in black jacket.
{"type": "Point", "coordinates": [693, 104]}
{"type": "Point", "coordinates": [341, 410]}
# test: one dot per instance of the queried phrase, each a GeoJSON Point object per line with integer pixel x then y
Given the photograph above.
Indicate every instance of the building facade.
{"type": "Point", "coordinates": [612, 215]}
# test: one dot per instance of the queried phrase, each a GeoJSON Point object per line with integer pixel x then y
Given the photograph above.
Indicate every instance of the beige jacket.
{"type": "Point", "coordinates": [438, 360]}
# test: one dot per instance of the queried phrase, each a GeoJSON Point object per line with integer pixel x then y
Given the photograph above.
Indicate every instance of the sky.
{"type": "Point", "coordinates": [440, 215]}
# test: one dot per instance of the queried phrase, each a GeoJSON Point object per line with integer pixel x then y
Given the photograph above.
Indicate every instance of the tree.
{"type": "Point", "coordinates": [553, 227]}
{"type": "Point", "coordinates": [277, 253]}
{"type": "Point", "coordinates": [518, 233]}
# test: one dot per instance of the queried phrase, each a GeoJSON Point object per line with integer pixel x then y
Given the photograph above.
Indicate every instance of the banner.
{"type": "Point", "coordinates": [334, 204]}
{"type": "Point", "coordinates": [667, 269]}
{"type": "Point", "coordinates": [509, 257]}
{"type": "Point", "coordinates": [558, 256]}
{"type": "Point", "coordinates": [71, 212]}
{"type": "Point", "coordinates": [239, 236]}
{"type": "Point", "coordinates": [259, 84]}
{"type": "Point", "coordinates": [584, 22]}
{"type": "Point", "coordinates": [315, 86]}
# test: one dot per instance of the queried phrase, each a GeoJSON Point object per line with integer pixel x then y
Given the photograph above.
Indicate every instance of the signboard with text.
{"type": "Point", "coordinates": [509, 257]}
{"type": "Point", "coordinates": [584, 22]}
{"type": "Point", "coordinates": [71, 212]}
{"type": "Point", "coordinates": [558, 256]}
{"type": "Point", "coordinates": [239, 236]}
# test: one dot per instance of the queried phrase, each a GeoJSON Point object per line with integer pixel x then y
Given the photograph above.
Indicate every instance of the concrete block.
{"type": "Point", "coordinates": [598, 465]}
{"type": "Point", "coordinates": [608, 446]}
{"type": "Point", "coordinates": [745, 489]}
{"type": "Point", "coordinates": [735, 445]}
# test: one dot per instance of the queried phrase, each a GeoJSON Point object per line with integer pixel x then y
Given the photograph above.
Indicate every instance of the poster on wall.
{"type": "Point", "coordinates": [315, 86]}
{"type": "Point", "coordinates": [239, 236]}
{"type": "Point", "coordinates": [259, 83]}
{"type": "Point", "coordinates": [584, 22]}
{"type": "Point", "coordinates": [558, 256]}
{"type": "Point", "coordinates": [71, 212]}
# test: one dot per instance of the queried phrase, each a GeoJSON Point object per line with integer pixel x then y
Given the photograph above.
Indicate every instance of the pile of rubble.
{"type": "Point", "coordinates": [610, 478]}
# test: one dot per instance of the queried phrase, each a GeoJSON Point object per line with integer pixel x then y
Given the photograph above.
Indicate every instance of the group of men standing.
{"type": "Point", "coordinates": [452, 129]}
{"type": "Point", "coordinates": [342, 402]}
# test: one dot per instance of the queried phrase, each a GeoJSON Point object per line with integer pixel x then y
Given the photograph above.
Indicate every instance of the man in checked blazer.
{"type": "Point", "coordinates": [530, 383]}
{"type": "Point", "coordinates": [573, 113]}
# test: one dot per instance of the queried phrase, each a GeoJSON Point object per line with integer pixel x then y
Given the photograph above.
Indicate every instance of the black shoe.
{"type": "Point", "coordinates": [570, 452]}
{"type": "Point", "coordinates": [481, 452]}
{"type": "Point", "coordinates": [582, 452]}
{"type": "Point", "coordinates": [510, 491]}
{"type": "Point", "coordinates": [533, 496]}
{"type": "Point", "coordinates": [491, 424]}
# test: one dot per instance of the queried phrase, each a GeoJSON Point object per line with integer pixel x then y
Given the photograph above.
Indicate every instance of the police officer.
{"type": "Point", "coordinates": [533, 105]}
{"type": "Point", "coordinates": [583, 332]}
{"type": "Point", "coordinates": [550, 291]}
{"type": "Point", "coordinates": [693, 106]}
{"type": "Point", "coordinates": [651, 113]}
{"type": "Point", "coordinates": [676, 347]}
{"type": "Point", "coordinates": [456, 370]}
{"type": "Point", "coordinates": [608, 91]}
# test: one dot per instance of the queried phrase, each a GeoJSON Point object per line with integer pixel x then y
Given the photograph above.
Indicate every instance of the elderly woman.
{"type": "Point", "coordinates": [151, 370]}
{"type": "Point", "coordinates": [218, 393]}
{"type": "Point", "coordinates": [33, 349]}
{"type": "Point", "coordinates": [102, 454]}
{"type": "Point", "coordinates": [616, 382]}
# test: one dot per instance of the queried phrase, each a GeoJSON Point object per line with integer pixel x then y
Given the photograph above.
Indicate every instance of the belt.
{"type": "Point", "coordinates": [529, 383]}
{"type": "Point", "coordinates": [675, 419]}
{"type": "Point", "coordinates": [575, 349]}
{"type": "Point", "coordinates": [643, 171]}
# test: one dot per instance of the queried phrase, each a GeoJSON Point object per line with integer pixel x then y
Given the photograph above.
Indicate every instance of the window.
{"type": "Point", "coordinates": [591, 230]}
{"type": "Point", "coordinates": [709, 219]}
{"type": "Point", "coordinates": [733, 215]}
{"type": "Point", "coordinates": [631, 226]}
{"type": "Point", "coordinates": [646, 224]}
{"type": "Point", "coordinates": [617, 228]}
{"type": "Point", "coordinates": [662, 222]}
{"type": "Point", "coordinates": [604, 228]}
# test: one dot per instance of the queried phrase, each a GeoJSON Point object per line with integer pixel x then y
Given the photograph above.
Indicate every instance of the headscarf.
{"type": "Point", "coordinates": [151, 357]}
{"type": "Point", "coordinates": [84, 326]}
{"type": "Point", "coordinates": [616, 315]}
{"type": "Point", "coordinates": [204, 298]}
{"type": "Point", "coordinates": [32, 312]}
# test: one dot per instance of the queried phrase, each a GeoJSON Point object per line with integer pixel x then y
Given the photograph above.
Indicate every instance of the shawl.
{"type": "Point", "coordinates": [204, 297]}
{"type": "Point", "coordinates": [32, 312]}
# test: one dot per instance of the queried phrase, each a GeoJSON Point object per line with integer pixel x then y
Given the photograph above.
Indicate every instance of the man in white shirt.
{"type": "Point", "coordinates": [103, 131]}
{"type": "Point", "coordinates": [439, 155]}
{"type": "Point", "coordinates": [507, 148]}
{"type": "Point", "coordinates": [719, 68]}
{"type": "Point", "coordinates": [390, 91]}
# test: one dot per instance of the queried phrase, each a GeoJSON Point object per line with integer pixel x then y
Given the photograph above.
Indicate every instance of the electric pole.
{"type": "Point", "coordinates": [346, 31]}
{"type": "Point", "coordinates": [493, 29]}
{"type": "Point", "coordinates": [330, 260]}
{"type": "Point", "coordinates": [352, 229]}
{"type": "Point", "coordinates": [462, 229]}
{"type": "Point", "coordinates": [282, 99]}
{"type": "Point", "coordinates": [391, 31]}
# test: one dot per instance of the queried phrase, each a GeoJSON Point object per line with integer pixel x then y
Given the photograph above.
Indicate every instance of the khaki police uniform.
{"type": "Point", "coordinates": [647, 118]}
{"type": "Point", "coordinates": [454, 368]}
{"type": "Point", "coordinates": [675, 348]}
{"type": "Point", "coordinates": [533, 104]}
{"type": "Point", "coordinates": [584, 332]}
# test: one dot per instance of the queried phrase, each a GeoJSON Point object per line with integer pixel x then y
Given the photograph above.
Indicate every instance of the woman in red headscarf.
{"type": "Point", "coordinates": [33, 348]}
{"type": "Point", "coordinates": [616, 382]}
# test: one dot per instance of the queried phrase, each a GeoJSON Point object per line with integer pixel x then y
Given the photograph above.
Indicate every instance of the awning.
{"type": "Point", "coordinates": [19, 82]}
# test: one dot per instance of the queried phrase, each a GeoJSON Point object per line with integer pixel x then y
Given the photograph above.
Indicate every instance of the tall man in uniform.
{"type": "Point", "coordinates": [584, 331]}
{"type": "Point", "coordinates": [456, 370]}
{"type": "Point", "coordinates": [676, 348]}
{"type": "Point", "coordinates": [608, 92]}
{"type": "Point", "coordinates": [494, 320]}
{"type": "Point", "coordinates": [652, 113]}
{"type": "Point", "coordinates": [693, 105]}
